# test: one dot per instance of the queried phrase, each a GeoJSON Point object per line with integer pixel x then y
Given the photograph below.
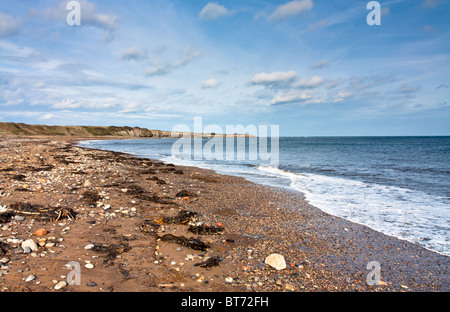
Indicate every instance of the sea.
{"type": "Point", "coordinates": [399, 186]}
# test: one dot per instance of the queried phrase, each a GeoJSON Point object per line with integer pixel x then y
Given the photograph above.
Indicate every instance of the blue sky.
{"type": "Point", "coordinates": [312, 67]}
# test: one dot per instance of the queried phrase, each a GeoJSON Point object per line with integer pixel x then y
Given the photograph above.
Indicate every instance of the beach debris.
{"type": "Point", "coordinates": [19, 177]}
{"type": "Point", "coordinates": [149, 226]}
{"type": "Point", "coordinates": [205, 230]}
{"type": "Point", "coordinates": [276, 261]}
{"type": "Point", "coordinates": [44, 213]}
{"type": "Point", "coordinates": [183, 217]}
{"type": "Point", "coordinates": [4, 247]}
{"type": "Point", "coordinates": [111, 250]}
{"type": "Point", "coordinates": [5, 217]}
{"type": "Point", "coordinates": [91, 197]}
{"type": "Point", "coordinates": [184, 193]}
{"type": "Point", "coordinates": [153, 198]}
{"type": "Point", "coordinates": [41, 232]}
{"type": "Point", "coordinates": [210, 262]}
{"type": "Point", "coordinates": [192, 243]}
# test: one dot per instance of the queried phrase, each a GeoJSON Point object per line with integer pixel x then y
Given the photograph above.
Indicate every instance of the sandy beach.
{"type": "Point", "coordinates": [139, 225]}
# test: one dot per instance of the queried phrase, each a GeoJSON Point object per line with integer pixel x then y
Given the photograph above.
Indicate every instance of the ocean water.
{"type": "Point", "coordinates": [399, 186]}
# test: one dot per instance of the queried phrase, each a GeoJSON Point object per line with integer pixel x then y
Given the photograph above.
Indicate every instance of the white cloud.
{"type": "Point", "coordinates": [157, 70]}
{"type": "Point", "coordinates": [9, 26]}
{"type": "Point", "coordinates": [89, 17]}
{"type": "Point", "coordinates": [290, 97]}
{"type": "Point", "coordinates": [321, 64]}
{"type": "Point", "coordinates": [210, 83]}
{"type": "Point", "coordinates": [47, 116]}
{"type": "Point", "coordinates": [213, 11]}
{"type": "Point", "coordinates": [134, 54]}
{"type": "Point", "coordinates": [408, 89]}
{"type": "Point", "coordinates": [430, 3]}
{"type": "Point", "coordinates": [306, 82]}
{"type": "Point", "coordinates": [274, 79]}
{"type": "Point", "coordinates": [188, 56]}
{"type": "Point", "coordinates": [319, 24]}
{"type": "Point", "coordinates": [291, 9]}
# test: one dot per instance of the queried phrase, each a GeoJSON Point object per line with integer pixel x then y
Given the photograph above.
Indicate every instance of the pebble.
{"type": "Point", "coordinates": [89, 246]}
{"type": "Point", "coordinates": [60, 285]}
{"type": "Point", "coordinates": [30, 244]}
{"type": "Point", "coordinates": [229, 280]}
{"type": "Point", "coordinates": [19, 218]}
{"type": "Point", "coordinates": [89, 266]}
{"type": "Point", "coordinates": [30, 278]}
{"type": "Point", "coordinates": [276, 261]}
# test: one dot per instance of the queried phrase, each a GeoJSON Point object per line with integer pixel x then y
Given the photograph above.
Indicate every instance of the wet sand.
{"type": "Point", "coordinates": [118, 218]}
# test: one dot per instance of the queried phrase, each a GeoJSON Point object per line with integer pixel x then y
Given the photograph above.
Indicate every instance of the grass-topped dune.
{"type": "Point", "coordinates": [11, 128]}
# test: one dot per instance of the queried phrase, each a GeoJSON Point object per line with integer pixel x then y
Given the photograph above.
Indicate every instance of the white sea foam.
{"type": "Point", "coordinates": [406, 214]}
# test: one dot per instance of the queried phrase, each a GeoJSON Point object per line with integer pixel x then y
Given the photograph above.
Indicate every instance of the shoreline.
{"type": "Point", "coordinates": [323, 252]}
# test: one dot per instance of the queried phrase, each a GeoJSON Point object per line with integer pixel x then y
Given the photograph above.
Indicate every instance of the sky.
{"type": "Point", "coordinates": [314, 68]}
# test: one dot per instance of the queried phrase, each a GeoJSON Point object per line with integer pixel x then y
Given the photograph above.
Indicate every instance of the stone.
{"type": "Point", "coordinates": [19, 218]}
{"type": "Point", "coordinates": [229, 280]}
{"type": "Point", "coordinates": [89, 246]}
{"type": "Point", "coordinates": [276, 261]}
{"type": "Point", "coordinates": [89, 266]}
{"type": "Point", "coordinates": [30, 244]}
{"type": "Point", "coordinates": [26, 249]}
{"type": "Point", "coordinates": [60, 285]}
{"type": "Point", "coordinates": [30, 278]}
{"type": "Point", "coordinates": [87, 183]}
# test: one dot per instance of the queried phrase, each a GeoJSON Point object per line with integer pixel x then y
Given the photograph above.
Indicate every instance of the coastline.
{"type": "Point", "coordinates": [323, 252]}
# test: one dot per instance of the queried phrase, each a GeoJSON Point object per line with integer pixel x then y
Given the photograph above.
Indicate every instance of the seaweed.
{"type": "Point", "coordinates": [154, 199]}
{"type": "Point", "coordinates": [184, 193]}
{"type": "Point", "coordinates": [210, 262]}
{"type": "Point", "coordinates": [205, 230]}
{"type": "Point", "coordinates": [91, 197]}
{"type": "Point", "coordinates": [192, 243]}
{"type": "Point", "coordinates": [111, 250]}
{"type": "Point", "coordinates": [149, 226]}
{"type": "Point", "coordinates": [4, 247]}
{"type": "Point", "coordinates": [5, 217]}
{"type": "Point", "coordinates": [184, 216]}
{"type": "Point", "coordinates": [19, 177]}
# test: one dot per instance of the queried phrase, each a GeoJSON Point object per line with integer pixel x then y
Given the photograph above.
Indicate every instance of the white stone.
{"type": "Point", "coordinates": [276, 261]}
{"type": "Point", "coordinates": [30, 278]}
{"type": "Point", "coordinates": [60, 285]}
{"type": "Point", "coordinates": [89, 266]}
{"type": "Point", "coordinates": [229, 279]}
{"type": "Point", "coordinates": [31, 244]}
{"type": "Point", "coordinates": [89, 246]}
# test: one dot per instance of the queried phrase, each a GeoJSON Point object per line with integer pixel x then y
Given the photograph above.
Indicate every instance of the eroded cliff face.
{"type": "Point", "coordinates": [10, 128]}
